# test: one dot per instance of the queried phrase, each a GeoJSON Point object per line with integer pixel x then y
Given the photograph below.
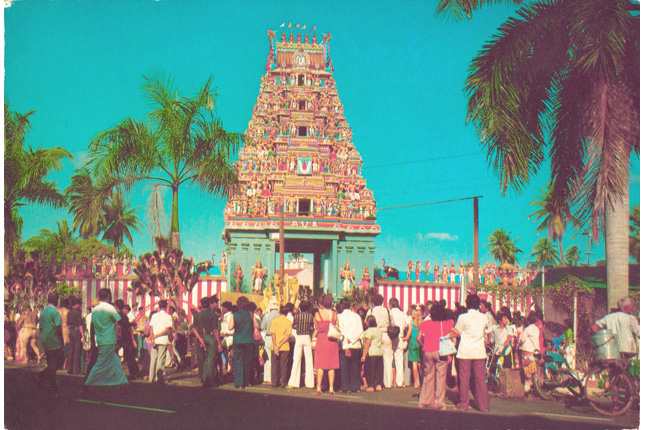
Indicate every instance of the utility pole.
{"type": "Point", "coordinates": [476, 239]}
{"type": "Point", "coordinates": [586, 233]}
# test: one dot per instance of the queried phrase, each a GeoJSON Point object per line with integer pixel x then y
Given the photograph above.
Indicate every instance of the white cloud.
{"type": "Point", "coordinates": [437, 236]}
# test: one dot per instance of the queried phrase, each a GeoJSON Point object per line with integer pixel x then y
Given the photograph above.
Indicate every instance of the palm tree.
{"type": "Point", "coordinates": [502, 248]}
{"type": "Point", "coordinates": [563, 76]}
{"type": "Point", "coordinates": [572, 256]}
{"type": "Point", "coordinates": [554, 214]}
{"type": "Point", "coordinates": [52, 242]}
{"type": "Point", "coordinates": [635, 233]}
{"type": "Point", "coordinates": [85, 204]}
{"type": "Point", "coordinates": [25, 170]}
{"type": "Point", "coordinates": [119, 221]}
{"type": "Point", "coordinates": [182, 141]}
{"type": "Point", "coordinates": [544, 251]}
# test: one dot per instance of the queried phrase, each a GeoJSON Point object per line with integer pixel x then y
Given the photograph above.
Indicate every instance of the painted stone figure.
{"type": "Point", "coordinates": [223, 264]}
{"type": "Point", "coordinates": [417, 270]}
{"type": "Point", "coordinates": [410, 266]}
{"type": "Point", "coordinates": [452, 271]}
{"type": "Point", "coordinates": [239, 274]}
{"type": "Point", "coordinates": [347, 276]}
{"type": "Point", "coordinates": [257, 275]}
{"type": "Point", "coordinates": [427, 270]}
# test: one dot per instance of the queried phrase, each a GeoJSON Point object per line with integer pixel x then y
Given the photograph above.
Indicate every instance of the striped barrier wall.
{"type": "Point", "coordinates": [414, 293]}
{"type": "Point", "coordinates": [89, 287]}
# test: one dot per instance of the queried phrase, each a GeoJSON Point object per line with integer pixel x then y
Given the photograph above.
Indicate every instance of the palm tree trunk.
{"type": "Point", "coordinates": [561, 251]}
{"type": "Point", "coordinates": [174, 224]}
{"type": "Point", "coordinates": [617, 248]}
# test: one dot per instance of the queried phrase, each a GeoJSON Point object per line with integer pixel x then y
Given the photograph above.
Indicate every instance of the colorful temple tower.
{"type": "Point", "coordinates": [300, 159]}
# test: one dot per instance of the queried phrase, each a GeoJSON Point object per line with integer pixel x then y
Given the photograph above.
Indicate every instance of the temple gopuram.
{"type": "Point", "coordinates": [300, 159]}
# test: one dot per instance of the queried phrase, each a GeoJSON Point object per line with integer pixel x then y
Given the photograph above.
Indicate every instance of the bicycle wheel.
{"type": "Point", "coordinates": [538, 384]}
{"type": "Point", "coordinates": [575, 386]}
{"type": "Point", "coordinates": [609, 390]}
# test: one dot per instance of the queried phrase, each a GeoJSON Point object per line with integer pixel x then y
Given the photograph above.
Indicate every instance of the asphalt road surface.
{"type": "Point", "coordinates": [184, 404]}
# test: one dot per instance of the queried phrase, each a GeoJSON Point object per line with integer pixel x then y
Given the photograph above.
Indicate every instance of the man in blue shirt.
{"type": "Point", "coordinates": [52, 339]}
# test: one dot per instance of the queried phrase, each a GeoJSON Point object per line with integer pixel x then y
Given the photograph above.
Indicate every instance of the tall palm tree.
{"type": "Point", "coordinates": [554, 215]}
{"type": "Point", "coordinates": [563, 77]}
{"type": "Point", "coordinates": [181, 141]}
{"type": "Point", "coordinates": [502, 248]}
{"type": "Point", "coordinates": [635, 233]}
{"type": "Point", "coordinates": [120, 219]}
{"type": "Point", "coordinates": [572, 256]}
{"type": "Point", "coordinates": [85, 204]}
{"type": "Point", "coordinates": [544, 251]}
{"type": "Point", "coordinates": [25, 173]}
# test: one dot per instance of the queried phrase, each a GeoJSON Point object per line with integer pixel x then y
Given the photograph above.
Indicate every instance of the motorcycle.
{"type": "Point", "coordinates": [554, 372]}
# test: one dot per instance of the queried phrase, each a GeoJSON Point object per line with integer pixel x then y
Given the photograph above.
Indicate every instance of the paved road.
{"type": "Point", "coordinates": [183, 404]}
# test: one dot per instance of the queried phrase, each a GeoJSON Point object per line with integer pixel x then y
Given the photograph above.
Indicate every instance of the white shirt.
{"type": "Point", "coordinates": [472, 326]}
{"type": "Point", "coordinates": [530, 338]}
{"type": "Point", "coordinates": [499, 336]}
{"type": "Point", "coordinates": [401, 320]}
{"type": "Point", "coordinates": [159, 322]}
{"type": "Point", "coordinates": [625, 327]}
{"type": "Point", "coordinates": [226, 323]}
{"type": "Point", "coordinates": [351, 327]}
{"type": "Point", "coordinates": [382, 317]}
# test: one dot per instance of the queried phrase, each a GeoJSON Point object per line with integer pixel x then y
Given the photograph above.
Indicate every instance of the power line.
{"type": "Point", "coordinates": [422, 161]}
{"type": "Point", "coordinates": [430, 203]}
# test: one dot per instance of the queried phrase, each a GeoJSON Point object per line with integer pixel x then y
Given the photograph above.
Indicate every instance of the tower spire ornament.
{"type": "Point", "coordinates": [300, 159]}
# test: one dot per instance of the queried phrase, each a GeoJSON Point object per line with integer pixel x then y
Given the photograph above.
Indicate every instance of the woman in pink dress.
{"type": "Point", "coordinates": [326, 352]}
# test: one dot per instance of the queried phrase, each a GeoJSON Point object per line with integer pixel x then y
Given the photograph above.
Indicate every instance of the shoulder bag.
{"type": "Point", "coordinates": [333, 333]}
{"type": "Point", "coordinates": [393, 331]}
{"type": "Point", "coordinates": [446, 345]}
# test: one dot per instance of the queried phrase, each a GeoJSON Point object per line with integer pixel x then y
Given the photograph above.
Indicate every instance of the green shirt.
{"type": "Point", "coordinates": [49, 320]}
{"type": "Point", "coordinates": [208, 321]}
{"type": "Point", "coordinates": [104, 317]}
{"type": "Point", "coordinates": [374, 334]}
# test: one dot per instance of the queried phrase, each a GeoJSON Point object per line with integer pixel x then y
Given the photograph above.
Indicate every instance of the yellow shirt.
{"type": "Point", "coordinates": [281, 328]}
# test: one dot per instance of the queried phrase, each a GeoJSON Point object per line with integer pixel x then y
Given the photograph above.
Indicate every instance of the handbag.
{"type": "Point", "coordinates": [446, 345]}
{"type": "Point", "coordinates": [334, 332]}
{"type": "Point", "coordinates": [393, 331]}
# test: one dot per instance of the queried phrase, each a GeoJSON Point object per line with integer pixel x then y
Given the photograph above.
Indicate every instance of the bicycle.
{"type": "Point", "coordinates": [555, 372]}
{"type": "Point", "coordinates": [494, 371]}
{"type": "Point", "coordinates": [610, 388]}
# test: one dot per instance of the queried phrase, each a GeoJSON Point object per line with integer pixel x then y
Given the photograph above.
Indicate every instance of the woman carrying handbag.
{"type": "Point", "coordinates": [435, 366]}
{"type": "Point", "coordinates": [326, 352]}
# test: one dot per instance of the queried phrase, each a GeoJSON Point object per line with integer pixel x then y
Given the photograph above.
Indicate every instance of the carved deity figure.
{"type": "Point", "coordinates": [347, 276]}
{"type": "Point", "coordinates": [452, 271]}
{"type": "Point", "coordinates": [436, 273]}
{"type": "Point", "coordinates": [427, 270]}
{"type": "Point", "coordinates": [410, 266]}
{"type": "Point", "coordinates": [239, 274]}
{"type": "Point", "coordinates": [417, 270]}
{"type": "Point", "coordinates": [444, 272]}
{"type": "Point", "coordinates": [257, 276]}
{"type": "Point", "coordinates": [223, 264]}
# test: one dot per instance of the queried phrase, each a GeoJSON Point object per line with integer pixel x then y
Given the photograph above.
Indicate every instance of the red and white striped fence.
{"type": "Point", "coordinates": [414, 293]}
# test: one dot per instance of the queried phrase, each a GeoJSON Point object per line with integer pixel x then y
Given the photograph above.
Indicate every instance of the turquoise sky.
{"type": "Point", "coordinates": [400, 74]}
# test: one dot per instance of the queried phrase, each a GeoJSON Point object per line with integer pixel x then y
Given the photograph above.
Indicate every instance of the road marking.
{"type": "Point", "coordinates": [118, 405]}
{"type": "Point", "coordinates": [573, 416]}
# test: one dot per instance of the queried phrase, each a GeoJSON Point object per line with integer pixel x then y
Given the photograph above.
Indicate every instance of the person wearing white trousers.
{"type": "Point", "coordinates": [302, 345]}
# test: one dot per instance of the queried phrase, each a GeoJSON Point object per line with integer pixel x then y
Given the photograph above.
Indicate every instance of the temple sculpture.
{"type": "Point", "coordinates": [300, 159]}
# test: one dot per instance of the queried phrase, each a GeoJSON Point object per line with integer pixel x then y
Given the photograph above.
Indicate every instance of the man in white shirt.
{"type": "Point", "coordinates": [402, 321]}
{"type": "Point", "coordinates": [471, 328]}
{"type": "Point", "coordinates": [160, 326]}
{"type": "Point", "coordinates": [624, 325]}
{"type": "Point", "coordinates": [351, 327]}
{"type": "Point", "coordinates": [382, 317]}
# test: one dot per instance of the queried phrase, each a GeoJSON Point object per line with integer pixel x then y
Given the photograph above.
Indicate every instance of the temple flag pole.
{"type": "Point", "coordinates": [282, 245]}
{"type": "Point", "coordinates": [476, 278]}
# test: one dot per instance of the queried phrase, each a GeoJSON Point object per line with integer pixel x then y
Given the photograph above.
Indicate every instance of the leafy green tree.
{"type": "Point", "coordinates": [635, 233]}
{"type": "Point", "coordinates": [563, 77]}
{"type": "Point", "coordinates": [86, 204]}
{"type": "Point", "coordinates": [544, 252]}
{"type": "Point", "coordinates": [52, 243]}
{"type": "Point", "coordinates": [554, 215]}
{"type": "Point", "coordinates": [120, 220]}
{"type": "Point", "coordinates": [181, 141]}
{"type": "Point", "coordinates": [25, 173]}
{"type": "Point", "coordinates": [502, 248]}
{"type": "Point", "coordinates": [572, 256]}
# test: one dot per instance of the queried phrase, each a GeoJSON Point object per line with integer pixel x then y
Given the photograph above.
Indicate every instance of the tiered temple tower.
{"type": "Point", "coordinates": [300, 158]}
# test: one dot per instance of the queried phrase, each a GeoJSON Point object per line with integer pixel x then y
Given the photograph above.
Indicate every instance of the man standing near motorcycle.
{"type": "Point", "coordinates": [624, 325]}
{"type": "Point", "coordinates": [503, 338]}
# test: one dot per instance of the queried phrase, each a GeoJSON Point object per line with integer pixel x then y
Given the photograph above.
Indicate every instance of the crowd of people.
{"type": "Point", "coordinates": [429, 347]}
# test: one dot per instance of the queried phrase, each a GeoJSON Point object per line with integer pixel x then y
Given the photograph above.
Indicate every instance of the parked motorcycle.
{"type": "Point", "coordinates": [554, 372]}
